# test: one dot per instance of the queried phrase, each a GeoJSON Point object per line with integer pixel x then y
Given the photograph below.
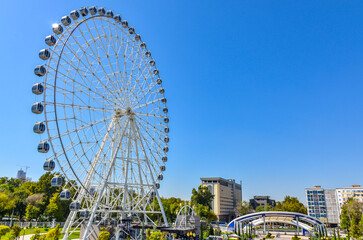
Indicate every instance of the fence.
{"type": "Point", "coordinates": [33, 224]}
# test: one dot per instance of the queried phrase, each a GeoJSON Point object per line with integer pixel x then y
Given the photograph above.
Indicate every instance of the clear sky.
{"type": "Point", "coordinates": [266, 92]}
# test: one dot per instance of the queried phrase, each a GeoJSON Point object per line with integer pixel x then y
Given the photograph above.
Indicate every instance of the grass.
{"type": "Point", "coordinates": [28, 231]}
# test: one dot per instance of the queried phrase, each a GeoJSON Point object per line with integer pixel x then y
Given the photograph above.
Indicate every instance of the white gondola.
{"type": "Point", "coordinates": [167, 130]}
{"type": "Point", "coordinates": [143, 45]}
{"type": "Point", "coordinates": [92, 190]}
{"type": "Point", "coordinates": [56, 181]}
{"type": "Point", "coordinates": [50, 40]}
{"type": "Point", "coordinates": [49, 165]}
{"type": "Point", "coordinates": [166, 120]}
{"type": "Point", "coordinates": [163, 100]}
{"type": "Point", "coordinates": [148, 54]}
{"type": "Point", "coordinates": [65, 195]}
{"type": "Point", "coordinates": [101, 11]}
{"type": "Point", "coordinates": [37, 89]}
{"type": "Point", "coordinates": [156, 72]}
{"type": "Point", "coordinates": [132, 30]}
{"type": "Point", "coordinates": [160, 177]}
{"type": "Point", "coordinates": [125, 24]}
{"type": "Point", "coordinates": [166, 149]}
{"type": "Point", "coordinates": [44, 54]}
{"type": "Point", "coordinates": [161, 91]}
{"type": "Point", "coordinates": [138, 37]}
{"type": "Point", "coordinates": [162, 168]}
{"type": "Point", "coordinates": [109, 14]}
{"type": "Point", "coordinates": [66, 20]}
{"type": "Point", "coordinates": [164, 158]}
{"type": "Point", "coordinates": [165, 110]}
{"type": "Point", "coordinates": [74, 14]}
{"type": "Point", "coordinates": [117, 18]}
{"type": "Point", "coordinates": [83, 11]}
{"type": "Point", "coordinates": [157, 185]}
{"type": "Point", "coordinates": [166, 139]}
{"type": "Point", "coordinates": [57, 28]}
{"type": "Point", "coordinates": [84, 214]}
{"type": "Point", "coordinates": [159, 81]}
{"type": "Point", "coordinates": [153, 194]}
{"type": "Point", "coordinates": [39, 70]}
{"type": "Point", "coordinates": [39, 127]}
{"type": "Point", "coordinates": [74, 206]}
{"type": "Point", "coordinates": [152, 63]}
{"type": "Point", "coordinates": [37, 108]}
{"type": "Point", "coordinates": [43, 147]}
{"type": "Point", "coordinates": [93, 10]}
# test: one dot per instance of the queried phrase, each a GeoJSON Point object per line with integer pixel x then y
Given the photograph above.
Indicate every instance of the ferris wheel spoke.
{"type": "Point", "coordinates": [78, 106]}
{"type": "Point", "coordinates": [97, 60]}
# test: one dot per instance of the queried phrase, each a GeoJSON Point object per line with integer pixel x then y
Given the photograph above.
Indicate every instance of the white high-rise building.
{"type": "Point", "coordinates": [325, 204]}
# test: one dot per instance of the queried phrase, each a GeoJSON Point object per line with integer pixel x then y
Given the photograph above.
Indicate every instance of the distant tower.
{"type": "Point", "coordinates": [22, 174]}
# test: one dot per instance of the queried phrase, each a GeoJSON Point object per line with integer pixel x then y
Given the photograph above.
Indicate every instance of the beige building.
{"type": "Point", "coordinates": [227, 194]}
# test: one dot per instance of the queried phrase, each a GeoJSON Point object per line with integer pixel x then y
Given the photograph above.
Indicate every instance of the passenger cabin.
{"type": "Point", "coordinates": [160, 177]}
{"type": "Point", "coordinates": [117, 18]}
{"type": "Point", "coordinates": [166, 139]}
{"type": "Point", "coordinates": [152, 63]}
{"type": "Point", "coordinates": [43, 147]}
{"type": "Point", "coordinates": [101, 11]}
{"type": "Point", "coordinates": [165, 110]}
{"type": "Point", "coordinates": [156, 72]}
{"type": "Point", "coordinates": [57, 28]}
{"type": "Point", "coordinates": [39, 127]}
{"type": "Point", "coordinates": [109, 14]}
{"type": "Point", "coordinates": [132, 30]}
{"type": "Point", "coordinates": [138, 37]}
{"type": "Point", "coordinates": [162, 168]}
{"type": "Point", "coordinates": [74, 14]}
{"type": "Point", "coordinates": [44, 54]}
{"type": "Point", "coordinates": [84, 214]}
{"type": "Point", "coordinates": [159, 81]}
{"type": "Point", "coordinates": [143, 45]}
{"type": "Point", "coordinates": [157, 185]}
{"type": "Point", "coordinates": [49, 165]}
{"type": "Point", "coordinates": [37, 89]}
{"type": "Point", "coordinates": [148, 54]}
{"type": "Point", "coordinates": [37, 108]}
{"type": "Point", "coordinates": [56, 181]}
{"type": "Point", "coordinates": [125, 24]}
{"type": "Point", "coordinates": [66, 20]}
{"type": "Point", "coordinates": [65, 195]}
{"type": "Point", "coordinates": [166, 120]}
{"type": "Point", "coordinates": [163, 100]}
{"type": "Point", "coordinates": [164, 158]}
{"type": "Point", "coordinates": [74, 206]}
{"type": "Point", "coordinates": [50, 40]}
{"type": "Point", "coordinates": [161, 91]}
{"type": "Point", "coordinates": [39, 70]}
{"type": "Point", "coordinates": [93, 10]}
{"type": "Point", "coordinates": [166, 130]}
{"type": "Point", "coordinates": [83, 11]}
{"type": "Point", "coordinates": [166, 149]}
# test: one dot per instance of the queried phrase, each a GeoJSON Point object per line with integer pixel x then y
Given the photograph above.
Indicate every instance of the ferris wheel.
{"type": "Point", "coordinates": [104, 111]}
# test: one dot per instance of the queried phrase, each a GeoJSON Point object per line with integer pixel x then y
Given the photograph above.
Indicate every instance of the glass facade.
{"type": "Point", "coordinates": [316, 204]}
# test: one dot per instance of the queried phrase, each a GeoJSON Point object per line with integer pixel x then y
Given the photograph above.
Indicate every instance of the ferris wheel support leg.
{"type": "Point", "coordinates": [111, 166]}
{"type": "Point", "coordinates": [67, 224]}
{"type": "Point", "coordinates": [151, 174]}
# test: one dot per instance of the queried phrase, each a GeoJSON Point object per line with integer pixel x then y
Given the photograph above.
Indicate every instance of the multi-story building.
{"type": "Point", "coordinates": [227, 194]}
{"type": "Point", "coordinates": [325, 204]}
{"type": "Point", "coordinates": [262, 201]}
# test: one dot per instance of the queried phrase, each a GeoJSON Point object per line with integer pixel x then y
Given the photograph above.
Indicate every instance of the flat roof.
{"type": "Point", "coordinates": [219, 179]}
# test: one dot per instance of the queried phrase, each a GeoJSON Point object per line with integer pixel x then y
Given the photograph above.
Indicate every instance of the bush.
{"type": "Point", "coordinates": [4, 230]}
{"type": "Point", "coordinates": [36, 235]}
{"type": "Point", "coordinates": [15, 231]}
{"type": "Point", "coordinates": [54, 233]}
{"type": "Point", "coordinates": [104, 235]}
{"type": "Point", "coordinates": [295, 237]}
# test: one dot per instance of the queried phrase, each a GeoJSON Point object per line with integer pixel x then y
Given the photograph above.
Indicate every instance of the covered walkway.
{"type": "Point", "coordinates": [300, 220]}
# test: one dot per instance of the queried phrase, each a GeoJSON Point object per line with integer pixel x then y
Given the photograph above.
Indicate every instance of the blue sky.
{"type": "Point", "coordinates": [267, 92]}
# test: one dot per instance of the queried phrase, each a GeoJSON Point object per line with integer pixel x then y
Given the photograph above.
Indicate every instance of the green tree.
{"type": "Point", "coordinates": [3, 230]}
{"type": "Point", "coordinates": [290, 204]}
{"type": "Point", "coordinates": [157, 235]}
{"type": "Point", "coordinates": [202, 196]}
{"type": "Point", "coordinates": [243, 208]}
{"type": "Point", "coordinates": [57, 208]}
{"type": "Point", "coordinates": [32, 212]}
{"type": "Point", "coordinates": [351, 218]}
{"type": "Point", "coordinates": [15, 231]}
{"type": "Point", "coordinates": [104, 235]}
{"type": "Point", "coordinates": [54, 233]}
